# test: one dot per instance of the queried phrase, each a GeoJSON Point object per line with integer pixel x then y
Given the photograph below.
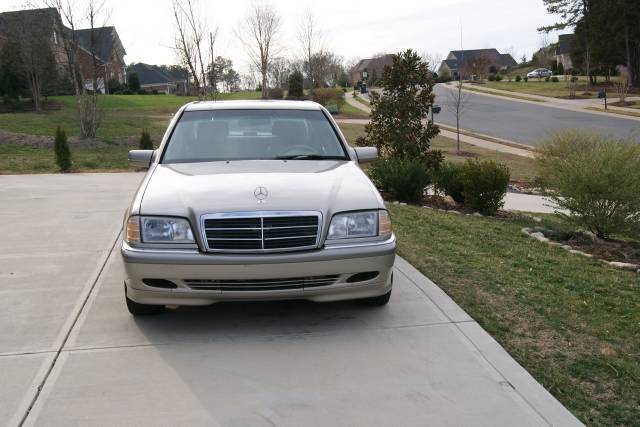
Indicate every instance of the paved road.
{"type": "Point", "coordinates": [527, 123]}
{"type": "Point", "coordinates": [420, 360]}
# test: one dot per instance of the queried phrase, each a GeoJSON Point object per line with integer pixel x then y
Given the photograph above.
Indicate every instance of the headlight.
{"type": "Point", "coordinates": [351, 225]}
{"type": "Point", "coordinates": [153, 229]}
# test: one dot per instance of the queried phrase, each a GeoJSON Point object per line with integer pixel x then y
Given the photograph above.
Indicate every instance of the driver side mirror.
{"type": "Point", "coordinates": [140, 158]}
{"type": "Point", "coordinates": [366, 154]}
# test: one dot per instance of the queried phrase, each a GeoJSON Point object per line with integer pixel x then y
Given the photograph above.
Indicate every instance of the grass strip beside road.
{"type": "Point", "coordinates": [572, 322]}
{"type": "Point", "coordinates": [522, 168]}
{"type": "Point", "coordinates": [533, 87]}
{"type": "Point", "coordinates": [506, 95]}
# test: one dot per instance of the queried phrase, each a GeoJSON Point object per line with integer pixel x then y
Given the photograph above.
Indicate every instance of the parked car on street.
{"type": "Point", "coordinates": [540, 73]}
{"type": "Point", "coordinates": [255, 200]}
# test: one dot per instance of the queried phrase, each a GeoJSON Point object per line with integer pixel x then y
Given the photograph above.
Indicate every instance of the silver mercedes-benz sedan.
{"type": "Point", "coordinates": [255, 200]}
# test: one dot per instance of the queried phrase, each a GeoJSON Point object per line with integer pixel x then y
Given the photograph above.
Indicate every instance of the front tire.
{"type": "Point", "coordinates": [378, 301]}
{"type": "Point", "coordinates": [138, 309]}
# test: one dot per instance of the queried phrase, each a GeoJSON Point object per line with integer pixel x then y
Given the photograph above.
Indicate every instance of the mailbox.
{"type": "Point", "coordinates": [602, 94]}
{"type": "Point", "coordinates": [436, 109]}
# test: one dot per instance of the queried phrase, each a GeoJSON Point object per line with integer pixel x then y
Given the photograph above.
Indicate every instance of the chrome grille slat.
{"type": "Point", "coordinates": [261, 284]}
{"type": "Point", "coordinates": [264, 231]}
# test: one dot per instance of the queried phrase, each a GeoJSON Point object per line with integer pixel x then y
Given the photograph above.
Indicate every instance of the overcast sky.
{"type": "Point", "coordinates": [352, 28]}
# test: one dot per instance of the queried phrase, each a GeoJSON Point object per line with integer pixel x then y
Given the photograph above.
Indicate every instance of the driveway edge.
{"type": "Point", "coordinates": [540, 400]}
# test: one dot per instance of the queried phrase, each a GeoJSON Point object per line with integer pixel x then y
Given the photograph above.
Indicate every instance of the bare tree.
{"type": "Point", "coordinates": [258, 33]}
{"type": "Point", "coordinates": [190, 41]}
{"type": "Point", "coordinates": [86, 103]}
{"type": "Point", "coordinates": [456, 103]}
{"type": "Point", "coordinates": [434, 59]}
{"type": "Point", "coordinates": [279, 70]}
{"type": "Point", "coordinates": [310, 40]}
{"type": "Point", "coordinates": [622, 87]}
{"type": "Point", "coordinates": [32, 42]}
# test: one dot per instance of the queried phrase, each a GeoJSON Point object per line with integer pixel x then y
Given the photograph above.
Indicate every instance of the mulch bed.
{"type": "Point", "coordinates": [609, 250]}
{"type": "Point", "coordinates": [42, 141]}
{"type": "Point", "coordinates": [27, 107]}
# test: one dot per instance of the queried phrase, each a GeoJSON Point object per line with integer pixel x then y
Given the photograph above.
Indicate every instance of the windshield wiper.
{"type": "Point", "coordinates": [310, 157]}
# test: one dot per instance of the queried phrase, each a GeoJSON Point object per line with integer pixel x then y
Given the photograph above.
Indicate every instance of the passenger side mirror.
{"type": "Point", "coordinates": [140, 158]}
{"type": "Point", "coordinates": [366, 154]}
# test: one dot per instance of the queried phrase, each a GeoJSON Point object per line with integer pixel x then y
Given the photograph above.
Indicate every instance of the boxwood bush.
{"type": "Point", "coordinates": [596, 179]}
{"type": "Point", "coordinates": [404, 178]}
{"type": "Point", "coordinates": [484, 185]}
{"type": "Point", "coordinates": [478, 185]}
{"type": "Point", "coordinates": [328, 96]}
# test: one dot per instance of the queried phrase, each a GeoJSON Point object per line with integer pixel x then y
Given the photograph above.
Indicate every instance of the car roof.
{"type": "Point", "coordinates": [262, 104]}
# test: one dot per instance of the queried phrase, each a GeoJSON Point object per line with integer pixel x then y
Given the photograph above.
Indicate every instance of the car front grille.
{"type": "Point", "coordinates": [292, 283]}
{"type": "Point", "coordinates": [261, 231]}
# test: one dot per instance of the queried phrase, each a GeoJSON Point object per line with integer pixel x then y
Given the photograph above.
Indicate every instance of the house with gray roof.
{"type": "Point", "coordinates": [369, 68]}
{"type": "Point", "coordinates": [100, 51]}
{"type": "Point", "coordinates": [153, 78]}
{"type": "Point", "coordinates": [463, 61]}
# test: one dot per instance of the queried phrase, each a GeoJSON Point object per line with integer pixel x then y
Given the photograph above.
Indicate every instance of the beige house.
{"type": "Point", "coordinates": [563, 51]}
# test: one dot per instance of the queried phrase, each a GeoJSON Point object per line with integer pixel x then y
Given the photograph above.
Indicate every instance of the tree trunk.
{"type": "Point", "coordinates": [264, 81]}
{"type": "Point", "coordinates": [627, 45]}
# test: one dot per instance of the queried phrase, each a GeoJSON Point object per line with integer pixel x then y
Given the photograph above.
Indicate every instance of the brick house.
{"type": "Point", "coordinates": [46, 23]}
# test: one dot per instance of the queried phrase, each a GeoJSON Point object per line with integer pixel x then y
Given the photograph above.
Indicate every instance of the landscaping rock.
{"type": "Point", "coordinates": [455, 212]}
{"type": "Point", "coordinates": [584, 254]}
{"type": "Point", "coordinates": [624, 265]}
{"type": "Point", "coordinates": [539, 236]}
{"type": "Point", "coordinates": [477, 214]}
{"type": "Point", "coordinates": [537, 219]}
{"type": "Point", "coordinates": [526, 230]}
{"type": "Point", "coordinates": [567, 247]}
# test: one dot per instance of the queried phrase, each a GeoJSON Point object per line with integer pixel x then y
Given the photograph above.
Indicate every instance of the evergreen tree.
{"type": "Point", "coordinates": [61, 148]}
{"type": "Point", "coordinates": [397, 126]}
{"type": "Point", "coordinates": [296, 80]}
{"type": "Point", "coordinates": [145, 141]}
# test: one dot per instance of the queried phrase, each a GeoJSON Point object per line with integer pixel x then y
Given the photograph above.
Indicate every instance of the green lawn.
{"type": "Point", "coordinates": [522, 168]}
{"type": "Point", "coordinates": [572, 322]}
{"type": "Point", "coordinates": [123, 115]}
{"type": "Point", "coordinates": [535, 87]}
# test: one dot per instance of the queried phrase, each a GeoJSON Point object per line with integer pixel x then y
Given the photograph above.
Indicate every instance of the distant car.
{"type": "Point", "coordinates": [539, 73]}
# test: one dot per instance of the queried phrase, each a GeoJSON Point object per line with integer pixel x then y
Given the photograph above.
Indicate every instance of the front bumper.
{"type": "Point", "coordinates": [178, 266]}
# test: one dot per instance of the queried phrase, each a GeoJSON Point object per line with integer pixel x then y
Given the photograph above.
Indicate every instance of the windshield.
{"type": "Point", "coordinates": [202, 136]}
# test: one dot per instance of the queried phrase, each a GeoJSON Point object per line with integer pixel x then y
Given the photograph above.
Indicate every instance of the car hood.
{"type": "Point", "coordinates": [193, 189]}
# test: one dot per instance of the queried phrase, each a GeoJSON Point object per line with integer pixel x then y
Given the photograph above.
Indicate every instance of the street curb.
{"type": "Point", "coordinates": [488, 138]}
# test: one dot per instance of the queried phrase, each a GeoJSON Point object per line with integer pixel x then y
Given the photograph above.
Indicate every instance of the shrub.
{"type": "Point", "coordinates": [328, 96]}
{"type": "Point", "coordinates": [560, 69]}
{"type": "Point", "coordinates": [145, 141]}
{"type": "Point", "coordinates": [492, 77]}
{"type": "Point", "coordinates": [61, 148]}
{"type": "Point", "coordinates": [526, 79]}
{"type": "Point", "coordinates": [574, 79]}
{"type": "Point", "coordinates": [546, 79]}
{"type": "Point", "coordinates": [448, 180]}
{"type": "Point", "coordinates": [404, 178]}
{"type": "Point", "coordinates": [518, 79]}
{"type": "Point", "coordinates": [295, 85]}
{"type": "Point", "coordinates": [484, 185]}
{"type": "Point", "coordinates": [554, 79]}
{"type": "Point", "coordinates": [498, 78]}
{"type": "Point", "coordinates": [595, 179]}
{"type": "Point", "coordinates": [275, 93]}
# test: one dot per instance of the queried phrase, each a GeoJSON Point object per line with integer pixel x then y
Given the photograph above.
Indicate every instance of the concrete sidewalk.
{"type": "Point", "coordinates": [76, 357]}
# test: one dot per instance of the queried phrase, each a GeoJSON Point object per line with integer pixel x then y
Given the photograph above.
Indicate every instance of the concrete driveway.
{"type": "Point", "coordinates": [70, 354]}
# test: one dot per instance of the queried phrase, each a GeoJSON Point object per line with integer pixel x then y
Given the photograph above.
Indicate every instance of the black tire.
{"type": "Point", "coordinates": [143, 309]}
{"type": "Point", "coordinates": [378, 301]}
